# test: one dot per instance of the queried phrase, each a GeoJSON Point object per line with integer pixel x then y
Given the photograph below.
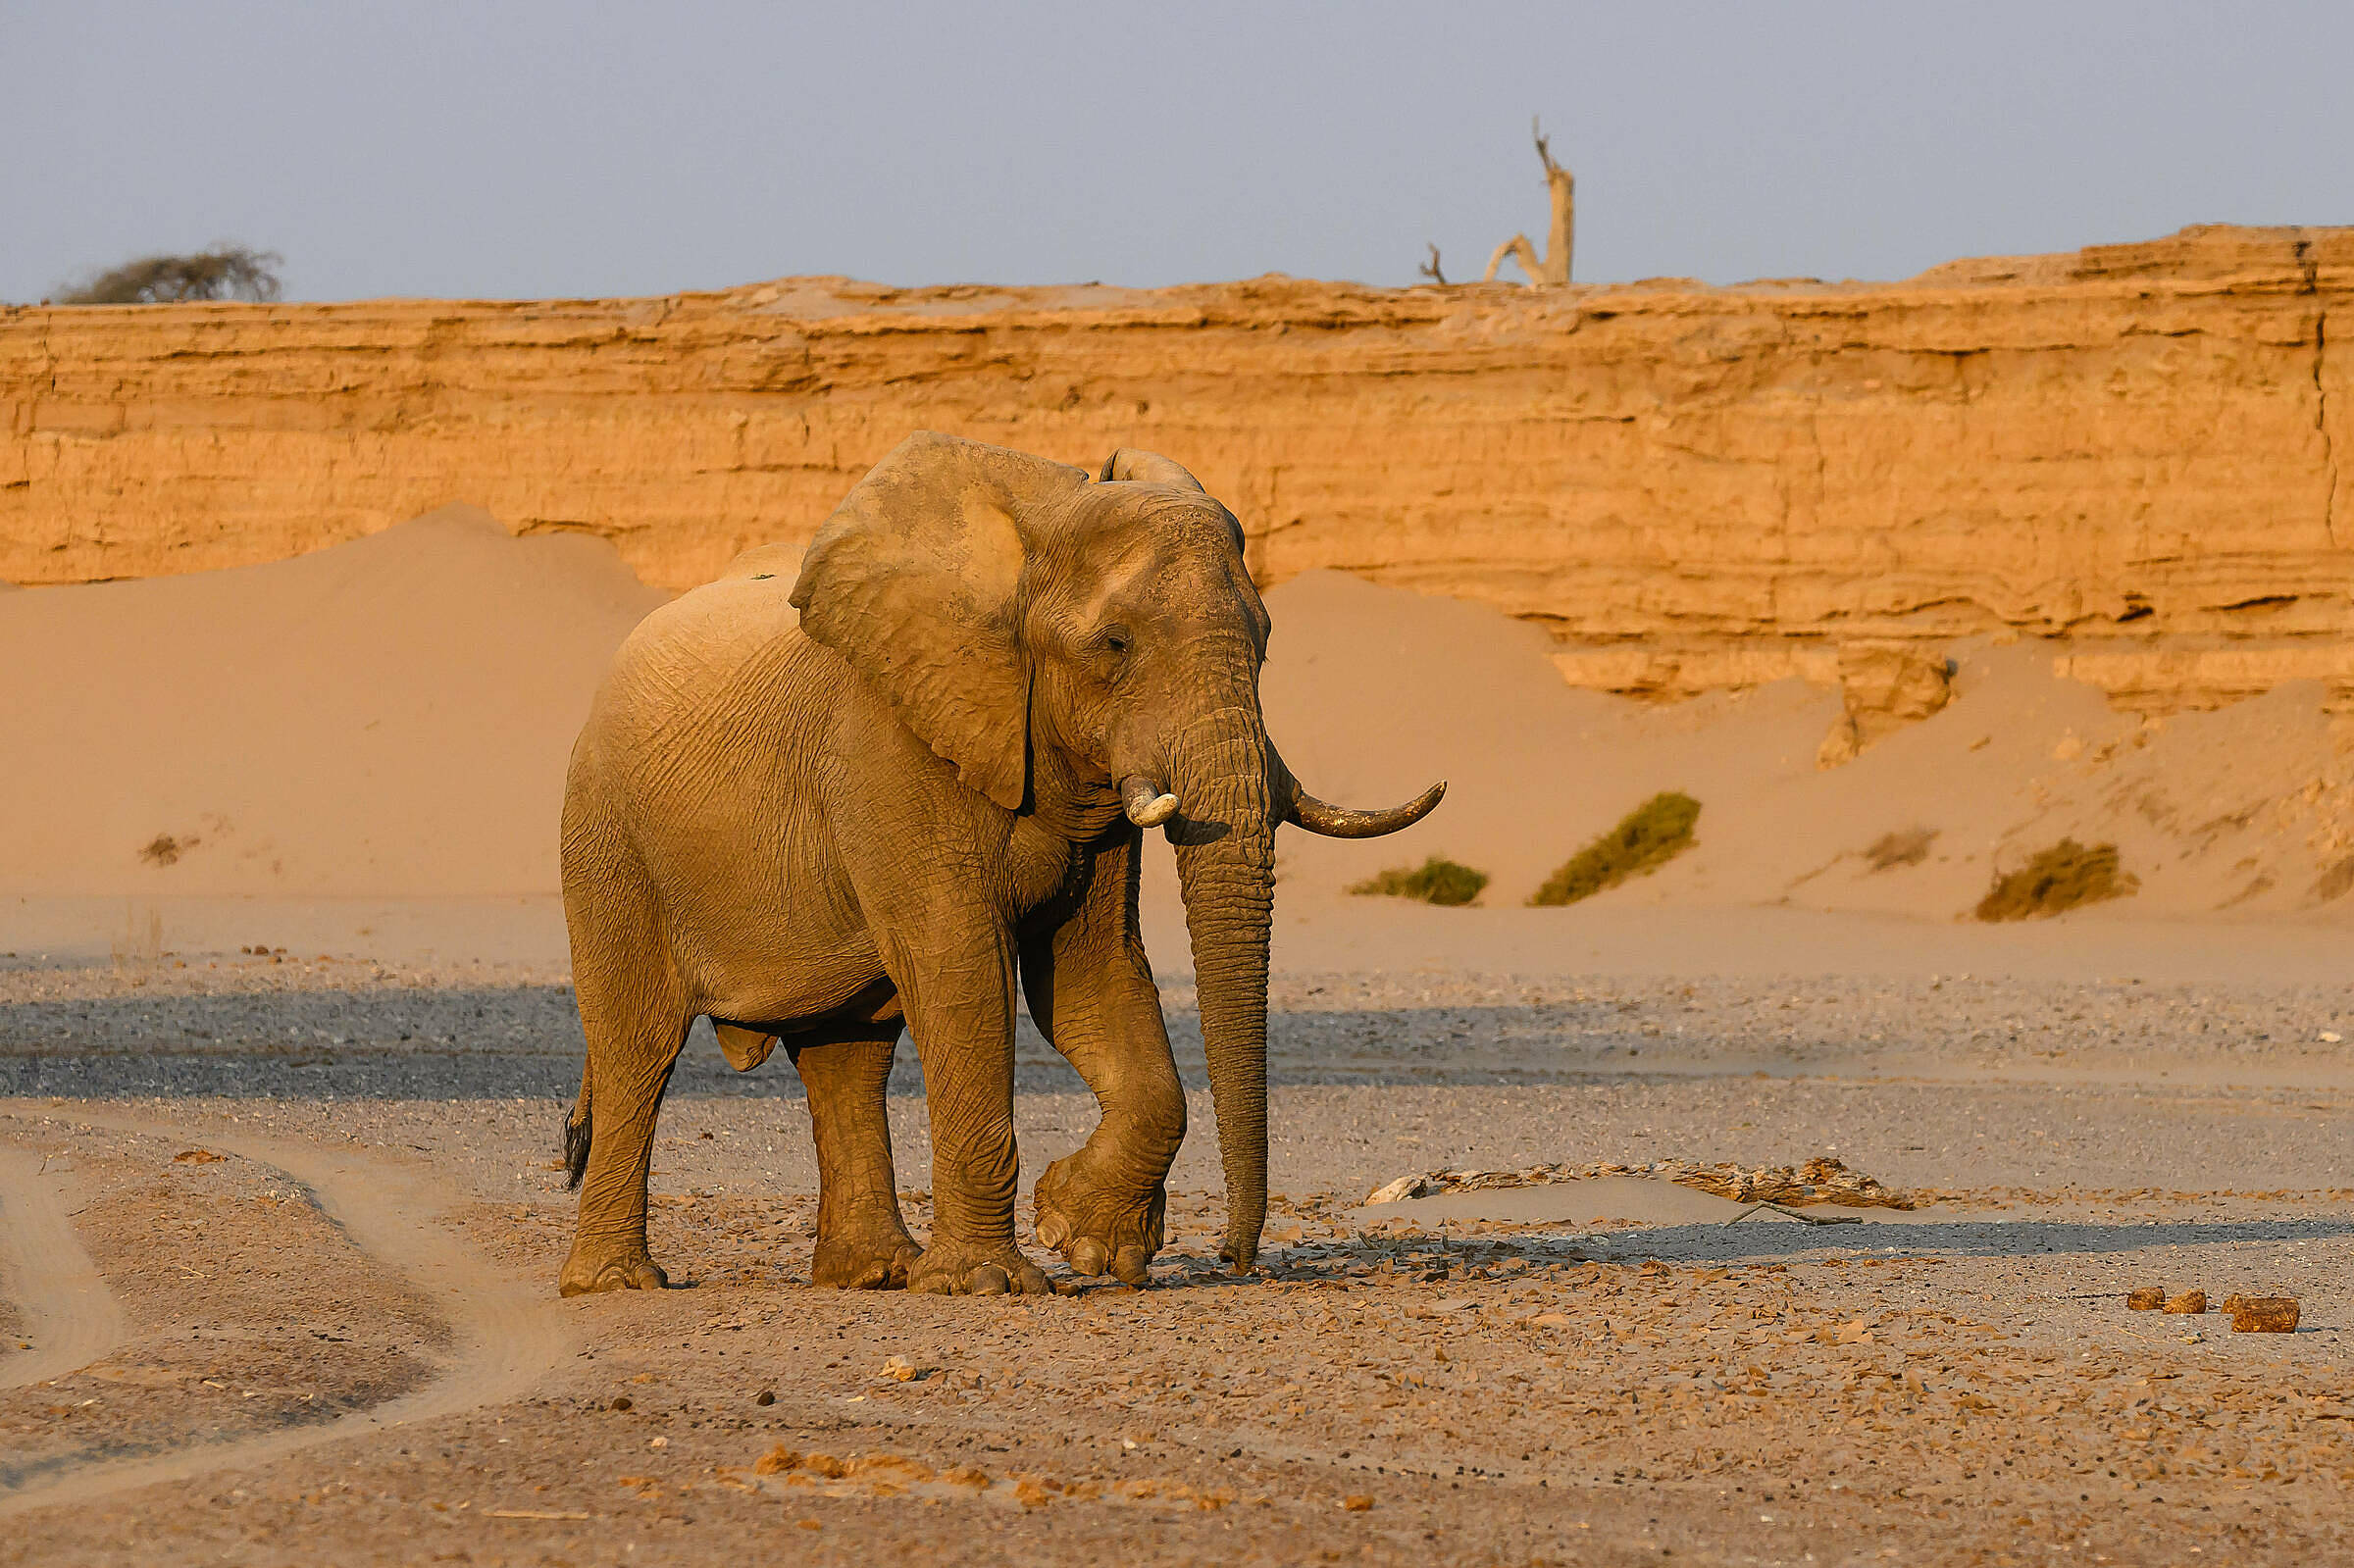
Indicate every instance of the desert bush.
{"type": "Point", "coordinates": [225, 271]}
{"type": "Point", "coordinates": [2061, 877]}
{"type": "Point", "coordinates": [1437, 880]}
{"type": "Point", "coordinates": [1645, 840]}
{"type": "Point", "coordinates": [1908, 847]}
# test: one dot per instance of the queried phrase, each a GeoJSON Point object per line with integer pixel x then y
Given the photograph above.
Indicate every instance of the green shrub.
{"type": "Point", "coordinates": [1645, 840]}
{"type": "Point", "coordinates": [2061, 877]}
{"type": "Point", "coordinates": [1437, 880]}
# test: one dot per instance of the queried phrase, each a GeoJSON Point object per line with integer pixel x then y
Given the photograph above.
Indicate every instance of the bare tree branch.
{"type": "Point", "coordinates": [1430, 268]}
{"type": "Point", "coordinates": [1520, 249]}
{"type": "Point", "coordinates": [1552, 270]}
{"type": "Point", "coordinates": [1544, 148]}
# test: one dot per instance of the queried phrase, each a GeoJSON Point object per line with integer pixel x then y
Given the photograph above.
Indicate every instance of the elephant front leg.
{"type": "Point", "coordinates": [862, 1241]}
{"type": "Point", "coordinates": [1104, 1207]}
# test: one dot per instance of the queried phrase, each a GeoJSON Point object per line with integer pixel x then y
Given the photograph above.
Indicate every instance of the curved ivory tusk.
{"type": "Point", "coordinates": [1147, 806]}
{"type": "Point", "coordinates": [1339, 822]}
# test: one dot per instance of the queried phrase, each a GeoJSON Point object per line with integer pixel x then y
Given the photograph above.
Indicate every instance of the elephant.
{"type": "Point", "coordinates": [882, 799]}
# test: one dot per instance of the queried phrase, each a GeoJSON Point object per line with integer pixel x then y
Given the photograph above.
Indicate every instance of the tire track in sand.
{"type": "Point", "coordinates": [70, 1315]}
{"type": "Point", "coordinates": [506, 1336]}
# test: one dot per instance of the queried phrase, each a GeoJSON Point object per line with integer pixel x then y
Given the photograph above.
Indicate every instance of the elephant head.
{"type": "Point", "coordinates": [1079, 646]}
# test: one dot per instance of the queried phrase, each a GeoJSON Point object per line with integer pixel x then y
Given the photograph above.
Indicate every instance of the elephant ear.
{"type": "Point", "coordinates": [1148, 467]}
{"type": "Point", "coordinates": [915, 579]}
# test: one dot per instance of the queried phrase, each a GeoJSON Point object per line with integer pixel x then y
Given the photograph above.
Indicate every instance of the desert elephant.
{"type": "Point", "coordinates": [1002, 671]}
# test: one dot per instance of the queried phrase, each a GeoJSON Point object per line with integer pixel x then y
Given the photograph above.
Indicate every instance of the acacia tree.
{"type": "Point", "coordinates": [1552, 268]}
{"type": "Point", "coordinates": [225, 271]}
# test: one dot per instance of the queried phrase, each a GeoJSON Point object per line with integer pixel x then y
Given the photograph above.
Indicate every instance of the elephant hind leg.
{"type": "Point", "coordinates": [634, 1013]}
{"type": "Point", "coordinates": [862, 1241]}
{"type": "Point", "coordinates": [632, 1045]}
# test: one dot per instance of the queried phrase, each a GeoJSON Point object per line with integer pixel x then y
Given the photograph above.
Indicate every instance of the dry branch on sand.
{"type": "Point", "coordinates": [2061, 877]}
{"type": "Point", "coordinates": [1437, 880]}
{"type": "Point", "coordinates": [1645, 840]}
{"type": "Point", "coordinates": [1821, 1180]}
{"type": "Point", "coordinates": [1552, 269]}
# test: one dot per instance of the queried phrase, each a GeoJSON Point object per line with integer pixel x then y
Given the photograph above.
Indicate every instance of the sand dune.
{"type": "Point", "coordinates": [1371, 692]}
{"type": "Point", "coordinates": [387, 718]}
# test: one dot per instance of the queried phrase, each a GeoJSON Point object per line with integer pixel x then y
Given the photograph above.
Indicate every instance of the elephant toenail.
{"type": "Point", "coordinates": [1131, 1266]}
{"type": "Point", "coordinates": [989, 1279]}
{"type": "Point", "coordinates": [1088, 1256]}
{"type": "Point", "coordinates": [1053, 1230]}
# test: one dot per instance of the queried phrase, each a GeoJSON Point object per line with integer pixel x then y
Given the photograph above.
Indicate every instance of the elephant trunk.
{"type": "Point", "coordinates": [1224, 836]}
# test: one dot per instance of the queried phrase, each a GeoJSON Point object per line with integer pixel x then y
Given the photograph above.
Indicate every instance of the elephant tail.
{"type": "Point", "coordinates": [576, 1135]}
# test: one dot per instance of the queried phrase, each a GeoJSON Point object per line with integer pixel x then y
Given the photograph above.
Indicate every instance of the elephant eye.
{"type": "Point", "coordinates": [1115, 643]}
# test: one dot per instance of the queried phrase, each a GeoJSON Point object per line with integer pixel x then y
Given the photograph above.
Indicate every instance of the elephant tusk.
{"type": "Point", "coordinates": [1339, 822]}
{"type": "Point", "coordinates": [1146, 805]}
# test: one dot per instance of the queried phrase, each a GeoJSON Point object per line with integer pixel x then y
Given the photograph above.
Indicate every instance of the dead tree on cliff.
{"type": "Point", "coordinates": [1553, 269]}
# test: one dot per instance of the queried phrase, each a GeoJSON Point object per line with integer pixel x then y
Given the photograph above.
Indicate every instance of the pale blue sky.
{"type": "Point", "coordinates": [536, 149]}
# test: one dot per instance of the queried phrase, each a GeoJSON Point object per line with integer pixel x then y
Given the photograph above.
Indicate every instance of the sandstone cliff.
{"type": "Point", "coordinates": [2142, 452]}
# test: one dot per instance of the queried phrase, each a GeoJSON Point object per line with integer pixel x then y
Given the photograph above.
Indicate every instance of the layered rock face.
{"type": "Point", "coordinates": [2143, 453]}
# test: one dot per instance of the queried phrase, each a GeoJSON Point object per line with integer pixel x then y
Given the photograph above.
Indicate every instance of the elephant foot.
{"type": "Point", "coordinates": [593, 1269]}
{"type": "Point", "coordinates": [875, 1259]}
{"type": "Point", "coordinates": [951, 1268]}
{"type": "Point", "coordinates": [1097, 1230]}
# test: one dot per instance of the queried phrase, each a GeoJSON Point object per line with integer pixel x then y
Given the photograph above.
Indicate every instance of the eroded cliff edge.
{"type": "Point", "coordinates": [2143, 452]}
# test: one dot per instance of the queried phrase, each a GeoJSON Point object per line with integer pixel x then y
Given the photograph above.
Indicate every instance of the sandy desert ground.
{"type": "Point", "coordinates": [278, 1229]}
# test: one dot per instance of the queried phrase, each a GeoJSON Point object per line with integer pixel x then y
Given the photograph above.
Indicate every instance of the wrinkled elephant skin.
{"type": "Point", "coordinates": [886, 811]}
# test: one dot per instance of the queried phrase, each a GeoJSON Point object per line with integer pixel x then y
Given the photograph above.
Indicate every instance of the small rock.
{"type": "Point", "coordinates": [765, 1397]}
{"type": "Point", "coordinates": [1357, 1503]}
{"type": "Point", "coordinates": [2263, 1314]}
{"type": "Point", "coordinates": [196, 1156]}
{"type": "Point", "coordinates": [2189, 1303]}
{"type": "Point", "coordinates": [2149, 1298]}
{"type": "Point", "coordinates": [621, 1402]}
{"type": "Point", "coordinates": [1404, 1187]}
{"type": "Point", "coordinates": [2331, 1036]}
